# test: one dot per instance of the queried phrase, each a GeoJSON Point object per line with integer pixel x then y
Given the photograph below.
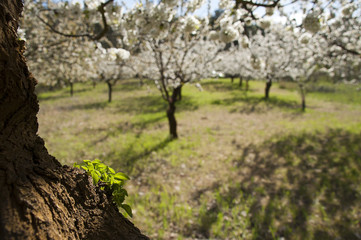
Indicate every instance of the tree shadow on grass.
{"type": "Point", "coordinates": [254, 104]}
{"type": "Point", "coordinates": [222, 86]}
{"type": "Point", "coordinates": [60, 93]}
{"type": "Point", "coordinates": [304, 186]}
{"type": "Point", "coordinates": [128, 157]}
{"type": "Point", "coordinates": [124, 127]}
{"type": "Point", "coordinates": [126, 86]}
{"type": "Point", "coordinates": [139, 104]}
{"type": "Point", "coordinates": [43, 98]}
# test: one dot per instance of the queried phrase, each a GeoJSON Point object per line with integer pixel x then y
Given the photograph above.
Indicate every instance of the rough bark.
{"type": "Point", "coordinates": [110, 90]}
{"type": "Point", "coordinates": [40, 199]}
{"type": "Point", "coordinates": [267, 89]}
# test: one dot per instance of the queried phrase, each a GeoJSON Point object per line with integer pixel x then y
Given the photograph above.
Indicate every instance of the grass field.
{"type": "Point", "coordinates": [242, 168]}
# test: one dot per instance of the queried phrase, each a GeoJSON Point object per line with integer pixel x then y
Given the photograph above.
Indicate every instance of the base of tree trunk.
{"type": "Point", "coordinates": [110, 91]}
{"type": "Point", "coordinates": [267, 89]}
{"type": "Point", "coordinates": [303, 104]}
{"type": "Point", "coordinates": [59, 203]}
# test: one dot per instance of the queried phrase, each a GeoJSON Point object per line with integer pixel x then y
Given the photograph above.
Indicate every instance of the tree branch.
{"type": "Point", "coordinates": [353, 52]}
{"type": "Point", "coordinates": [100, 9]}
{"type": "Point", "coordinates": [267, 5]}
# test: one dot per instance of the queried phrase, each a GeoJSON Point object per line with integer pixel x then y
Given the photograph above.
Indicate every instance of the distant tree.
{"type": "Point", "coordinates": [174, 46]}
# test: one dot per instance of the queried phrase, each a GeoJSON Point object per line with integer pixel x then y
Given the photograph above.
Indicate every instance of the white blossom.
{"type": "Point", "coordinates": [228, 34]}
{"type": "Point", "coordinates": [305, 38]}
{"type": "Point", "coordinates": [21, 34]}
{"type": "Point", "coordinates": [264, 23]}
{"type": "Point", "coordinates": [117, 53]}
{"type": "Point", "coordinates": [191, 24]}
{"type": "Point", "coordinates": [213, 35]}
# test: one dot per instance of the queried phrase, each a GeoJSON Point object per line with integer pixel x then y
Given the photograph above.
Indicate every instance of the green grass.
{"type": "Point", "coordinates": [243, 167]}
{"type": "Point", "coordinates": [326, 91]}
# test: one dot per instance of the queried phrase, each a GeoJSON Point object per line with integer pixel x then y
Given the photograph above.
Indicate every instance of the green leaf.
{"type": "Point", "coordinates": [113, 181]}
{"type": "Point", "coordinates": [111, 170]}
{"type": "Point", "coordinates": [95, 177]}
{"type": "Point", "coordinates": [96, 161]}
{"type": "Point", "coordinates": [90, 167]}
{"type": "Point", "coordinates": [102, 166]}
{"type": "Point", "coordinates": [121, 176]}
{"type": "Point", "coordinates": [105, 177]}
{"type": "Point", "coordinates": [125, 192]}
{"type": "Point", "coordinates": [128, 209]}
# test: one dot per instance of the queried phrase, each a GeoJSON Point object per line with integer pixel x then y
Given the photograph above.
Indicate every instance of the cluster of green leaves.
{"type": "Point", "coordinates": [105, 177]}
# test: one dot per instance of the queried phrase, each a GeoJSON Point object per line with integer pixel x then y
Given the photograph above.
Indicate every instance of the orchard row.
{"type": "Point", "coordinates": [167, 42]}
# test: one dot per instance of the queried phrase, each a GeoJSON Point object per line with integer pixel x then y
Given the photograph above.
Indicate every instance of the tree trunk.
{"type": "Point", "coordinates": [303, 104]}
{"type": "Point", "coordinates": [71, 89]}
{"type": "Point", "coordinates": [268, 88]}
{"type": "Point", "coordinates": [171, 120]}
{"type": "Point", "coordinates": [303, 98]}
{"type": "Point", "coordinates": [40, 199]}
{"type": "Point", "coordinates": [94, 84]}
{"type": "Point", "coordinates": [232, 79]}
{"type": "Point", "coordinates": [241, 81]}
{"type": "Point", "coordinates": [110, 90]}
{"type": "Point", "coordinates": [179, 94]}
{"type": "Point", "coordinates": [247, 85]}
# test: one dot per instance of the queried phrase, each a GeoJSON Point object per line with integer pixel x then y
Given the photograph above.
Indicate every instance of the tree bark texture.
{"type": "Point", "coordinates": [40, 199]}
{"type": "Point", "coordinates": [110, 90]}
{"type": "Point", "coordinates": [267, 89]}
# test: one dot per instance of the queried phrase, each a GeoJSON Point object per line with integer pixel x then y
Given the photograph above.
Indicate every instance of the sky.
{"type": "Point", "coordinates": [200, 12]}
{"type": "Point", "coordinates": [203, 12]}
